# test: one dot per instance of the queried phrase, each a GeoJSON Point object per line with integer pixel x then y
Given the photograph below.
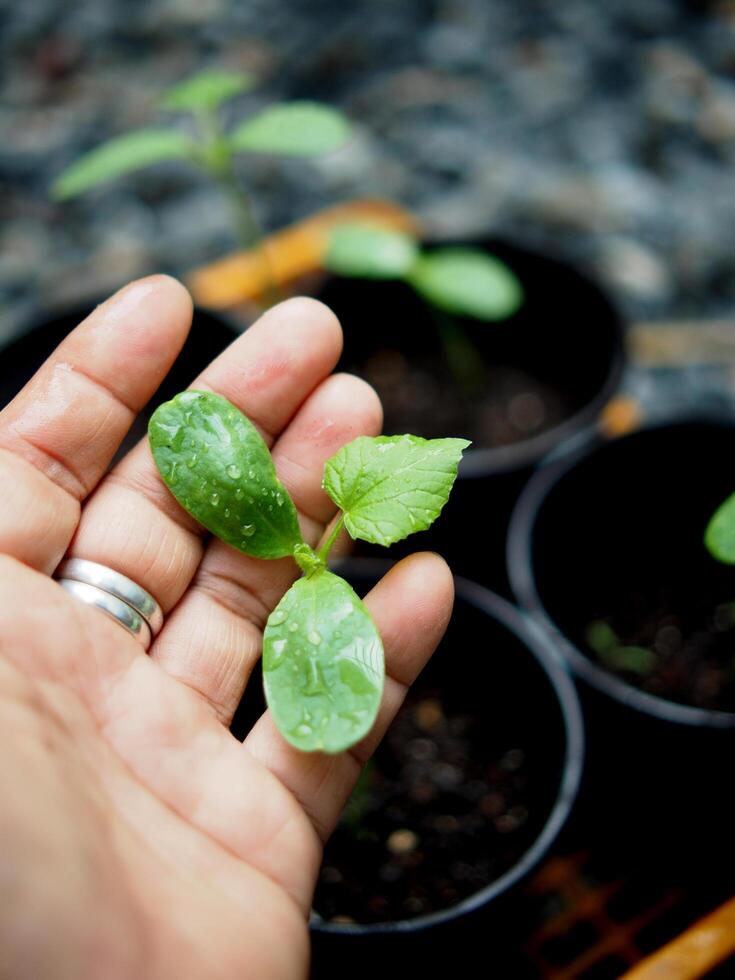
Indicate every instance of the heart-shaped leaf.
{"type": "Point", "coordinates": [390, 486]}
{"type": "Point", "coordinates": [214, 461]}
{"type": "Point", "coordinates": [121, 156]}
{"type": "Point", "coordinates": [467, 282]}
{"type": "Point", "coordinates": [292, 129]}
{"type": "Point", "coordinates": [370, 252]}
{"type": "Point", "coordinates": [323, 665]}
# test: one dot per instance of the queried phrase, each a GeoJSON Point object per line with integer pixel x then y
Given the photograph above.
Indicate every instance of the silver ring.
{"type": "Point", "coordinates": [118, 610]}
{"type": "Point", "coordinates": [117, 584]}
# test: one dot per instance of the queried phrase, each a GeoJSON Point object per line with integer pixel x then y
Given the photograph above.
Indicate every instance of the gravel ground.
{"type": "Point", "coordinates": [605, 132]}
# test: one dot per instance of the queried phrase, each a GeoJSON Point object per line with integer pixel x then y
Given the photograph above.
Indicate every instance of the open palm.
{"type": "Point", "coordinates": [140, 838]}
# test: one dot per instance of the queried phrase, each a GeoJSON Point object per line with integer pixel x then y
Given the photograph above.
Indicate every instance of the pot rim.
{"type": "Point", "coordinates": [582, 425]}
{"type": "Point", "coordinates": [80, 310]}
{"type": "Point", "coordinates": [562, 685]}
{"type": "Point", "coordinates": [521, 574]}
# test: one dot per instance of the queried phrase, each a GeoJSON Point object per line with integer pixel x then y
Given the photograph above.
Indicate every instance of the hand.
{"type": "Point", "coordinates": [139, 838]}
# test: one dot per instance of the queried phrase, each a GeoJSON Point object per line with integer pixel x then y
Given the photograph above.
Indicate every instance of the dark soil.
{"type": "Point", "coordinates": [516, 379]}
{"type": "Point", "coordinates": [461, 785]}
{"type": "Point", "coordinates": [439, 814]}
{"type": "Point", "coordinates": [690, 634]}
{"type": "Point", "coordinates": [618, 542]}
{"type": "Point", "coordinates": [505, 405]}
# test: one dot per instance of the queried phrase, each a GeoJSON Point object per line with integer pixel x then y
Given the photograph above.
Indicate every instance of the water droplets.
{"type": "Point", "coordinates": [239, 493]}
{"type": "Point", "coordinates": [234, 472]}
{"type": "Point", "coordinates": [251, 474]}
{"type": "Point", "coordinates": [278, 617]}
{"type": "Point", "coordinates": [191, 461]}
{"type": "Point", "coordinates": [247, 530]}
{"type": "Point", "coordinates": [313, 637]}
{"type": "Point", "coordinates": [292, 627]}
{"type": "Point", "coordinates": [214, 499]}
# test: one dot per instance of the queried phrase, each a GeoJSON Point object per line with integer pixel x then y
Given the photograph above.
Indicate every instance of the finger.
{"type": "Point", "coordinates": [58, 435]}
{"type": "Point", "coordinates": [132, 523]}
{"type": "Point", "coordinates": [411, 607]}
{"type": "Point", "coordinates": [213, 638]}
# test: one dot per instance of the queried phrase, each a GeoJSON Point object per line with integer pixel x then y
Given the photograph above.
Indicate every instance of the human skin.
{"type": "Point", "coordinates": [138, 837]}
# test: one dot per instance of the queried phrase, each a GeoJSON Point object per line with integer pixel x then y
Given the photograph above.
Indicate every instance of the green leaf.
{"type": "Point", "coordinates": [293, 129]}
{"type": "Point", "coordinates": [390, 486]}
{"type": "Point", "coordinates": [370, 252]}
{"type": "Point", "coordinates": [215, 463]}
{"type": "Point", "coordinates": [634, 660]}
{"type": "Point", "coordinates": [206, 90]}
{"type": "Point", "coordinates": [467, 282]}
{"type": "Point", "coordinates": [323, 665]}
{"type": "Point", "coordinates": [720, 534]}
{"type": "Point", "coordinates": [121, 156]}
{"type": "Point", "coordinates": [601, 637]}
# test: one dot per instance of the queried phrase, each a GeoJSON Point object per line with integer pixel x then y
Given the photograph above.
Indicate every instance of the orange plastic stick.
{"type": "Point", "coordinates": [699, 949]}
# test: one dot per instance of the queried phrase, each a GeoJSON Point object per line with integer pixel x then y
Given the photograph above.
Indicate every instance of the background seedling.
{"type": "Point", "coordinates": [289, 129]}
{"type": "Point", "coordinates": [322, 655]}
{"type": "Point", "coordinates": [454, 282]}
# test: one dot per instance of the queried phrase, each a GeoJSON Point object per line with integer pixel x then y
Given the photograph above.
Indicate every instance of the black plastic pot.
{"type": "Point", "coordinates": [498, 668]}
{"type": "Point", "coordinates": [22, 357]}
{"type": "Point", "coordinates": [610, 532]}
{"type": "Point", "coordinates": [567, 336]}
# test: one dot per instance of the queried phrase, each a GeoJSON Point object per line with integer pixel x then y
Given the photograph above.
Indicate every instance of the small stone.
{"type": "Point", "coordinates": [512, 760]}
{"type": "Point", "coordinates": [445, 823]}
{"type": "Point", "coordinates": [402, 842]}
{"type": "Point", "coordinates": [428, 714]}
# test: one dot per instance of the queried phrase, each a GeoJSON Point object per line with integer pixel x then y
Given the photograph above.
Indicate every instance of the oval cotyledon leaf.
{"type": "Point", "coordinates": [214, 461]}
{"type": "Point", "coordinates": [719, 536]}
{"type": "Point", "coordinates": [323, 665]}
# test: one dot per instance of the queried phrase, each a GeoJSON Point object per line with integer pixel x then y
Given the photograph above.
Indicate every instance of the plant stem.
{"type": "Point", "coordinates": [323, 553]}
{"type": "Point", "coordinates": [219, 163]}
{"type": "Point", "coordinates": [462, 356]}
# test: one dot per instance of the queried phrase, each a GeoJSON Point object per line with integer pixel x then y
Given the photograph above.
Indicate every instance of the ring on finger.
{"type": "Point", "coordinates": [129, 618]}
{"type": "Point", "coordinates": [117, 584]}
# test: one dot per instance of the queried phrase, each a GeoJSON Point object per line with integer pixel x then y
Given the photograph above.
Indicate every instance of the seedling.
{"type": "Point", "coordinates": [300, 129]}
{"type": "Point", "coordinates": [323, 664]}
{"type": "Point", "coordinates": [453, 281]}
{"type": "Point", "coordinates": [615, 654]}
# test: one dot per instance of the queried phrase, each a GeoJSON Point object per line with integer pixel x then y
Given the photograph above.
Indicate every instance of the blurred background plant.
{"type": "Point", "coordinates": [454, 281]}
{"type": "Point", "coordinates": [297, 129]}
{"type": "Point", "coordinates": [604, 132]}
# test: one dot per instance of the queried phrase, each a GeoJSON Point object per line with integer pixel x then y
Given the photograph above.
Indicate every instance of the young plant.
{"type": "Point", "coordinates": [454, 281]}
{"type": "Point", "coordinates": [290, 129]}
{"type": "Point", "coordinates": [322, 654]}
{"type": "Point", "coordinates": [615, 654]}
